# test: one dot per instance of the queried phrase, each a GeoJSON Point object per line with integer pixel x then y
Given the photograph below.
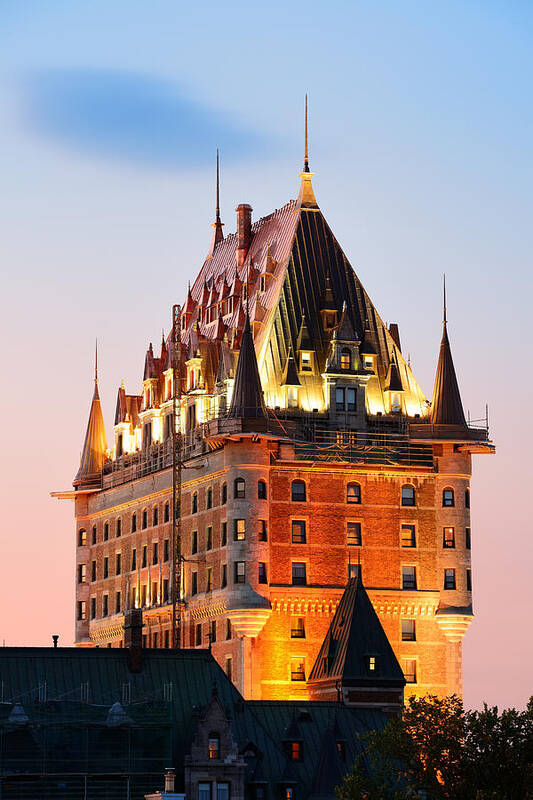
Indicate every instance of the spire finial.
{"type": "Point", "coordinates": [306, 154]}
{"type": "Point", "coordinates": [96, 361]}
{"type": "Point", "coordinates": [218, 188]}
{"type": "Point", "coordinates": [444, 320]}
{"type": "Point", "coordinates": [217, 224]}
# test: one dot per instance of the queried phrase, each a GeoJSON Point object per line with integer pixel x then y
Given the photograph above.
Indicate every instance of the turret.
{"type": "Point", "coordinates": [94, 450]}
{"type": "Point", "coordinates": [446, 405]}
{"type": "Point", "coordinates": [247, 399]}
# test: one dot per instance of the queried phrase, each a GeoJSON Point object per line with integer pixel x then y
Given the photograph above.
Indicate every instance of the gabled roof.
{"type": "Point", "coordinates": [446, 405]}
{"type": "Point", "coordinates": [394, 381]}
{"type": "Point", "coordinates": [290, 373]}
{"type": "Point", "coordinates": [128, 407]}
{"type": "Point", "coordinates": [247, 399]}
{"type": "Point", "coordinates": [94, 447]}
{"type": "Point", "coordinates": [355, 633]}
{"type": "Point", "coordinates": [329, 769]}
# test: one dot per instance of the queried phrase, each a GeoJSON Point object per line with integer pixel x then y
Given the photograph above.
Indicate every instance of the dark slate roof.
{"type": "Point", "coordinates": [394, 381]}
{"type": "Point", "coordinates": [330, 768]}
{"type": "Point", "coordinates": [304, 341]}
{"type": "Point", "coordinates": [247, 399]}
{"type": "Point", "coordinates": [290, 373]}
{"type": "Point", "coordinates": [94, 446]}
{"type": "Point", "coordinates": [446, 405]}
{"type": "Point", "coordinates": [354, 634]}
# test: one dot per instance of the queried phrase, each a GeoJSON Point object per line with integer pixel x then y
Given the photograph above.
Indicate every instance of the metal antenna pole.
{"type": "Point", "coordinates": [176, 478]}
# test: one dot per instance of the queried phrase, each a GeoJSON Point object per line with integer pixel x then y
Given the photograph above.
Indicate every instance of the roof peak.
{"type": "Point", "coordinates": [306, 197]}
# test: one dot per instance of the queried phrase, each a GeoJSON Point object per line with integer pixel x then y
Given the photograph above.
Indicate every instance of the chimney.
{"type": "Point", "coordinates": [170, 778]}
{"type": "Point", "coordinates": [133, 637]}
{"type": "Point", "coordinates": [244, 231]}
{"type": "Point", "coordinates": [55, 637]}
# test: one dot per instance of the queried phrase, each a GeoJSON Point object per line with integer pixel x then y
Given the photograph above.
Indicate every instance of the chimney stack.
{"type": "Point", "coordinates": [244, 231]}
{"type": "Point", "coordinates": [55, 637]}
{"type": "Point", "coordinates": [133, 637]}
{"type": "Point", "coordinates": [170, 778]}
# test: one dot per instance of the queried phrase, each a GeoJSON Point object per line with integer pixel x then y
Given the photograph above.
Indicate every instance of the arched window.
{"type": "Point", "coordinates": [261, 490]}
{"type": "Point", "coordinates": [144, 519]}
{"type": "Point", "coordinates": [209, 498]}
{"type": "Point", "coordinates": [166, 512]}
{"type": "Point", "coordinates": [408, 495]}
{"type": "Point", "coordinates": [82, 537]}
{"type": "Point", "coordinates": [448, 498]}
{"type": "Point", "coordinates": [298, 492]}
{"type": "Point", "coordinates": [194, 508]}
{"type": "Point", "coordinates": [353, 493]}
{"type": "Point", "coordinates": [155, 516]}
{"type": "Point", "coordinates": [346, 359]}
{"type": "Point", "coordinates": [214, 745]}
{"type": "Point", "coordinates": [467, 498]}
{"type": "Point", "coordinates": [240, 488]}
{"type": "Point", "coordinates": [224, 494]}
{"type": "Point", "coordinates": [134, 522]}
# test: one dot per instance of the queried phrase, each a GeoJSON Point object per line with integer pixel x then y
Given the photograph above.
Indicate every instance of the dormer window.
{"type": "Point", "coordinates": [119, 445]}
{"type": "Point", "coordinates": [214, 746]}
{"type": "Point", "coordinates": [306, 362]}
{"type": "Point", "coordinates": [346, 359]}
{"type": "Point", "coordinates": [395, 403]}
{"type": "Point", "coordinates": [369, 362]}
{"type": "Point", "coordinates": [295, 751]}
{"type": "Point", "coordinates": [262, 283]}
{"type": "Point", "coordinates": [372, 663]}
{"type": "Point", "coordinates": [330, 321]}
{"type": "Point", "coordinates": [292, 396]}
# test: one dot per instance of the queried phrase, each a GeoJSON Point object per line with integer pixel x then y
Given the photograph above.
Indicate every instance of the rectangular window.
{"type": "Point", "coordinates": [409, 670]}
{"type": "Point", "coordinates": [155, 640]}
{"type": "Point", "coordinates": [468, 541]}
{"type": "Point", "coordinates": [144, 519]}
{"type": "Point", "coordinates": [407, 536]}
{"type": "Point", "coordinates": [156, 516]}
{"type": "Point", "coordinates": [213, 631]}
{"type": "Point", "coordinates": [295, 751]}
{"type": "Point", "coordinates": [354, 571]}
{"type": "Point", "coordinates": [93, 535]}
{"type": "Point", "coordinates": [118, 564]}
{"type": "Point", "coordinates": [298, 531]}
{"type": "Point", "coordinates": [240, 488]}
{"type": "Point", "coordinates": [305, 362]}
{"type": "Point", "coordinates": [224, 534]}
{"type": "Point", "coordinates": [224, 576]}
{"type": "Point", "coordinates": [297, 669]}
{"type": "Point", "coordinates": [194, 583]}
{"type": "Point", "coordinates": [469, 580]}
{"type": "Point", "coordinates": [145, 556]}
{"type": "Point", "coordinates": [166, 639]}
{"type": "Point", "coordinates": [194, 542]}
{"type": "Point", "coordinates": [408, 630]}
{"type": "Point", "coordinates": [222, 791]}
{"type": "Point", "coordinates": [166, 513]}
{"type": "Point", "coordinates": [408, 496]}
{"type": "Point", "coordinates": [448, 537]}
{"type": "Point", "coordinates": [240, 530]}
{"type": "Point", "coordinates": [449, 579]}
{"type": "Point", "coordinates": [82, 610]}
{"type": "Point", "coordinates": [408, 577]}
{"type": "Point", "coordinates": [165, 590]}
{"type": "Point", "coordinates": [297, 628]}
{"type": "Point", "coordinates": [134, 559]}
{"type": "Point", "coordinates": [228, 629]}
{"type": "Point", "coordinates": [239, 575]}
{"type": "Point", "coordinates": [105, 606]}
{"type": "Point", "coordinates": [134, 597]}
{"type": "Point", "coordinates": [143, 595]}
{"type": "Point", "coordinates": [262, 535]}
{"type": "Point", "coordinates": [133, 522]}
{"type": "Point", "coordinates": [119, 528]}
{"type": "Point", "coordinates": [154, 593]}
{"type": "Point", "coordinates": [93, 607]}
{"type": "Point", "coordinates": [299, 573]}
{"type": "Point", "coordinates": [166, 550]}
{"type": "Point", "coordinates": [118, 601]}
{"type": "Point", "coordinates": [198, 634]}
{"type": "Point", "coordinates": [82, 537]}
{"type": "Point", "coordinates": [339, 399]}
{"type": "Point", "coordinates": [106, 567]}
{"type": "Point", "coordinates": [353, 493]}
{"type": "Point", "coordinates": [82, 573]}
{"type": "Point", "coordinates": [209, 579]}
{"type": "Point", "coordinates": [448, 500]}
{"type": "Point", "coordinates": [351, 404]}
{"type": "Point", "coordinates": [106, 531]}
{"type": "Point", "coordinates": [262, 572]}
{"type": "Point", "coordinates": [209, 538]}
{"type": "Point", "coordinates": [353, 534]}
{"type": "Point", "coordinates": [155, 553]}
{"type": "Point", "coordinates": [229, 667]}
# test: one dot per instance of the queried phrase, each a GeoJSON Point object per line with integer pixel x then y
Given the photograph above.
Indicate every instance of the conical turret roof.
{"type": "Point", "coordinates": [247, 399]}
{"type": "Point", "coordinates": [446, 405]}
{"type": "Point", "coordinates": [94, 447]}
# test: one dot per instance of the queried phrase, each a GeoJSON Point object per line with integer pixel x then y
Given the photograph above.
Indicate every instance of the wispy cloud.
{"type": "Point", "coordinates": [132, 118]}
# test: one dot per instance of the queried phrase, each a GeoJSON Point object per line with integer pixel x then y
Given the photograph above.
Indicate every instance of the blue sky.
{"type": "Point", "coordinates": [421, 132]}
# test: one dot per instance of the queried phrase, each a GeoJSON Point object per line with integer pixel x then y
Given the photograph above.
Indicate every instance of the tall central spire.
{"type": "Point", "coordinates": [446, 405]}
{"type": "Point", "coordinates": [95, 443]}
{"type": "Point", "coordinates": [217, 224]}
{"type": "Point", "coordinates": [306, 197]}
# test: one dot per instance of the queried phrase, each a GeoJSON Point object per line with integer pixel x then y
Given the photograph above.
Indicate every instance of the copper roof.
{"type": "Point", "coordinates": [94, 447]}
{"type": "Point", "coordinates": [446, 405]}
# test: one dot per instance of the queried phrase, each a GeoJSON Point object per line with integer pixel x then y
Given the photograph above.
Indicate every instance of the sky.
{"type": "Point", "coordinates": [421, 143]}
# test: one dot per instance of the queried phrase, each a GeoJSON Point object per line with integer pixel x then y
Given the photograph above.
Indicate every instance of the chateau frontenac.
{"type": "Point", "coordinates": [309, 456]}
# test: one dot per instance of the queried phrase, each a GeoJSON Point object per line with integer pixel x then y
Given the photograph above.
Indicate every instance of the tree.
{"type": "Point", "coordinates": [439, 751]}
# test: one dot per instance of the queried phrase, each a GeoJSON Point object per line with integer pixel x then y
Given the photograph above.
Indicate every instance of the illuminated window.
{"type": "Point", "coordinates": [395, 403]}
{"type": "Point", "coordinates": [407, 536]}
{"type": "Point", "coordinates": [409, 670]}
{"type": "Point", "coordinates": [194, 583]}
{"type": "Point", "coordinates": [448, 537]}
{"type": "Point", "coordinates": [353, 534]}
{"type": "Point", "coordinates": [166, 512]}
{"type": "Point", "coordinates": [339, 399]}
{"type": "Point", "coordinates": [288, 793]}
{"type": "Point", "coordinates": [369, 362]}
{"type": "Point", "coordinates": [82, 537]}
{"type": "Point", "coordinates": [262, 535]}
{"type": "Point", "coordinates": [306, 364]}
{"type": "Point", "coordinates": [82, 573]}
{"type": "Point", "coordinates": [469, 580]}
{"type": "Point", "coordinates": [82, 610]}
{"type": "Point", "coordinates": [224, 494]}
{"type": "Point", "coordinates": [409, 577]}
{"type": "Point", "coordinates": [224, 576]}
{"type": "Point", "coordinates": [261, 490]}
{"type": "Point", "coordinates": [239, 533]}
{"type": "Point", "coordinates": [351, 400]}
{"type": "Point", "coordinates": [298, 493]}
{"type": "Point", "coordinates": [341, 749]}
{"type": "Point", "coordinates": [297, 669]}
{"type": "Point", "coordinates": [194, 509]}
{"type": "Point", "coordinates": [298, 628]}
{"type": "Point", "coordinates": [240, 488]}
{"type": "Point", "coordinates": [299, 573]}
{"type": "Point", "coordinates": [353, 493]}
{"type": "Point", "coordinates": [298, 531]}
{"type": "Point", "coordinates": [214, 746]}
{"type": "Point", "coordinates": [106, 531]}
{"type": "Point", "coordinates": [408, 495]}
{"type": "Point", "coordinates": [209, 538]}
{"type": "Point", "coordinates": [346, 359]}
{"type": "Point", "coordinates": [209, 500]}
{"type": "Point", "coordinates": [262, 572]}
{"type": "Point", "coordinates": [292, 396]}
{"type": "Point", "coordinates": [372, 663]}
{"type": "Point", "coordinates": [295, 751]}
{"type": "Point", "coordinates": [408, 630]}
{"type": "Point", "coordinates": [194, 542]}
{"type": "Point", "coordinates": [239, 574]}
{"type": "Point", "coordinates": [448, 498]}
{"type": "Point", "coordinates": [449, 579]}
{"type": "Point", "coordinates": [468, 541]}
